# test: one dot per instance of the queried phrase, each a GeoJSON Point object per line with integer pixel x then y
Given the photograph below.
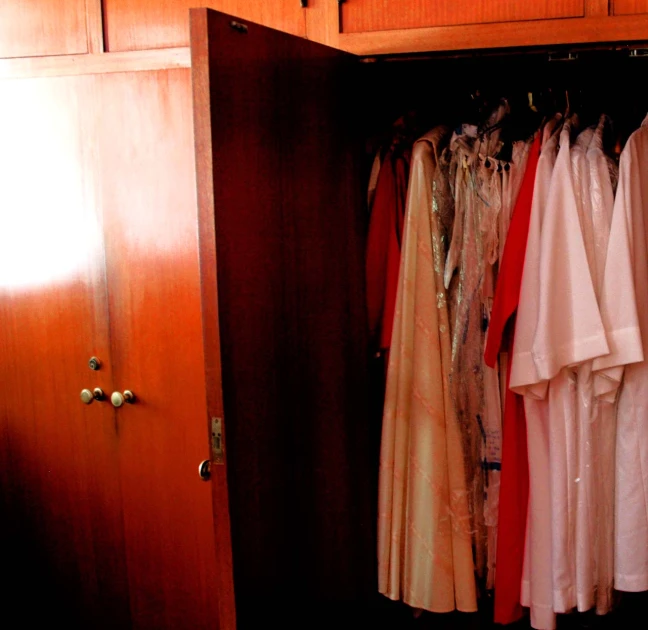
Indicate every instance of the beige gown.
{"type": "Point", "coordinates": [424, 537]}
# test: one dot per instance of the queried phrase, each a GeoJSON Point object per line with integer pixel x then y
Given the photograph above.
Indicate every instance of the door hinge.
{"type": "Point", "coordinates": [217, 440]}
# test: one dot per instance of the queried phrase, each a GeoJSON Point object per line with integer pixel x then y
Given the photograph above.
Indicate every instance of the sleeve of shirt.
{"type": "Point", "coordinates": [570, 329]}
{"type": "Point", "coordinates": [524, 379]}
{"type": "Point", "coordinates": [618, 294]}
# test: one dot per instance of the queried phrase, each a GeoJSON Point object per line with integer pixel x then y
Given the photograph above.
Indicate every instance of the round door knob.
{"type": "Point", "coordinates": [97, 393]}
{"type": "Point", "coordinates": [87, 396]}
{"type": "Point", "coordinates": [118, 399]}
{"type": "Point", "coordinates": [204, 470]}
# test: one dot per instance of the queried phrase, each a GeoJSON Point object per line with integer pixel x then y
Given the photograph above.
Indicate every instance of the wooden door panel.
{"type": "Point", "coordinates": [281, 213]}
{"type": "Point", "coordinates": [30, 28]}
{"type": "Point", "coordinates": [629, 7]}
{"type": "Point", "coordinates": [359, 16]}
{"type": "Point", "coordinates": [146, 166]}
{"type": "Point", "coordinates": [61, 496]}
{"type": "Point", "coordinates": [165, 23]}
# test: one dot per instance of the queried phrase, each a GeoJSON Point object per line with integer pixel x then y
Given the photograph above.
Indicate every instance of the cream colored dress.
{"type": "Point", "coordinates": [424, 536]}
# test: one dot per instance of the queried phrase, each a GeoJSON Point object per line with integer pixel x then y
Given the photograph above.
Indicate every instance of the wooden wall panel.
{"type": "Point", "coordinates": [30, 28]}
{"type": "Point", "coordinates": [165, 23]}
{"type": "Point", "coordinates": [629, 7]}
{"type": "Point", "coordinates": [378, 15]}
{"type": "Point", "coordinates": [62, 561]}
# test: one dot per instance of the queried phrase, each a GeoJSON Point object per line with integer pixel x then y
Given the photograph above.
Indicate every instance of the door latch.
{"type": "Point", "coordinates": [217, 440]}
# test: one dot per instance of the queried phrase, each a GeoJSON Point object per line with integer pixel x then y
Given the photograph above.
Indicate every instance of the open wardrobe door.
{"type": "Point", "coordinates": [282, 264]}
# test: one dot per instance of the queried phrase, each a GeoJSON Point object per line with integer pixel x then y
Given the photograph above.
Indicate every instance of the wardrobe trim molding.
{"type": "Point", "coordinates": [95, 63]}
{"type": "Point", "coordinates": [95, 26]}
{"type": "Point", "coordinates": [585, 30]}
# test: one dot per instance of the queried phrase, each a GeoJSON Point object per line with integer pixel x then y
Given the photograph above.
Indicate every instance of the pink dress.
{"type": "Point", "coordinates": [536, 591]}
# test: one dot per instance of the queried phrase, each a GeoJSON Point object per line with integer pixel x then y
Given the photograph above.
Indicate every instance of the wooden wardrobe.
{"type": "Point", "coordinates": [194, 219]}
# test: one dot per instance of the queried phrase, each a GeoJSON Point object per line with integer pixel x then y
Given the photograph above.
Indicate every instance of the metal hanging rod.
{"type": "Point", "coordinates": [553, 54]}
{"type": "Point", "coordinates": [562, 56]}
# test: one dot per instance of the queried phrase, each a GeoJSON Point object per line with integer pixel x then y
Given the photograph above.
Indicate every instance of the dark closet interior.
{"type": "Point", "coordinates": [295, 129]}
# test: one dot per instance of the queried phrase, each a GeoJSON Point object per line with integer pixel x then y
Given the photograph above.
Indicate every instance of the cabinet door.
{"type": "Point", "coordinates": [281, 232]}
{"type": "Point", "coordinates": [629, 7]}
{"type": "Point", "coordinates": [165, 23]}
{"type": "Point", "coordinates": [61, 555]}
{"type": "Point", "coordinates": [370, 15]}
{"type": "Point", "coordinates": [146, 168]}
{"type": "Point", "coordinates": [30, 28]}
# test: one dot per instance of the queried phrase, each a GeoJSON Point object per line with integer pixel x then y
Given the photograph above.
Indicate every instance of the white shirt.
{"type": "Point", "coordinates": [625, 312]}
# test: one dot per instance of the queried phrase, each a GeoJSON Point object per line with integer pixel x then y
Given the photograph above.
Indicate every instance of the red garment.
{"type": "Point", "coordinates": [384, 245]}
{"type": "Point", "coordinates": [514, 481]}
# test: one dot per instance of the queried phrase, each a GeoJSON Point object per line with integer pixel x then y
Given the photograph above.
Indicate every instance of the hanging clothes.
{"type": "Point", "coordinates": [424, 530]}
{"type": "Point", "coordinates": [556, 277]}
{"type": "Point", "coordinates": [536, 589]}
{"type": "Point", "coordinates": [512, 178]}
{"type": "Point", "coordinates": [569, 332]}
{"type": "Point", "coordinates": [604, 175]}
{"type": "Point", "coordinates": [488, 180]}
{"type": "Point", "coordinates": [384, 244]}
{"type": "Point", "coordinates": [625, 313]}
{"type": "Point", "coordinates": [593, 175]}
{"type": "Point", "coordinates": [373, 180]}
{"type": "Point", "coordinates": [514, 483]}
{"type": "Point", "coordinates": [585, 501]}
{"type": "Point", "coordinates": [475, 392]}
{"type": "Point", "coordinates": [505, 182]}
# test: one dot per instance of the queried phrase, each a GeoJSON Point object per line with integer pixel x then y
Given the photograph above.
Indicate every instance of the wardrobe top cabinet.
{"type": "Point", "coordinates": [365, 27]}
{"type": "Point", "coordinates": [368, 15]}
{"type": "Point", "coordinates": [629, 7]}
{"type": "Point", "coordinates": [376, 27]}
{"type": "Point", "coordinates": [140, 24]}
{"type": "Point", "coordinates": [43, 27]}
